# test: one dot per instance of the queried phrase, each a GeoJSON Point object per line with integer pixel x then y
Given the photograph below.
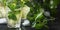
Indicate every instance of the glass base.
{"type": "Point", "coordinates": [13, 28]}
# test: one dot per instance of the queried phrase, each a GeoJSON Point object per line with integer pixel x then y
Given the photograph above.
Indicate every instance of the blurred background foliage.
{"type": "Point", "coordinates": [37, 9]}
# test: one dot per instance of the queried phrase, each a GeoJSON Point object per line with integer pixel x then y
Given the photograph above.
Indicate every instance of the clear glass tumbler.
{"type": "Point", "coordinates": [3, 14]}
{"type": "Point", "coordinates": [13, 15]}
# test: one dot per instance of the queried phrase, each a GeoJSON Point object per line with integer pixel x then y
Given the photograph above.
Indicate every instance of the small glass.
{"type": "Point", "coordinates": [3, 14]}
{"type": "Point", "coordinates": [14, 20]}
{"type": "Point", "coordinates": [13, 15]}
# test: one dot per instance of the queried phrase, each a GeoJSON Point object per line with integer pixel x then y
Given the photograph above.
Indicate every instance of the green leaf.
{"type": "Point", "coordinates": [12, 6]}
{"type": "Point", "coordinates": [4, 2]}
{"type": "Point", "coordinates": [12, 16]}
{"type": "Point", "coordinates": [39, 26]}
{"type": "Point", "coordinates": [45, 21]}
{"type": "Point", "coordinates": [40, 15]}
